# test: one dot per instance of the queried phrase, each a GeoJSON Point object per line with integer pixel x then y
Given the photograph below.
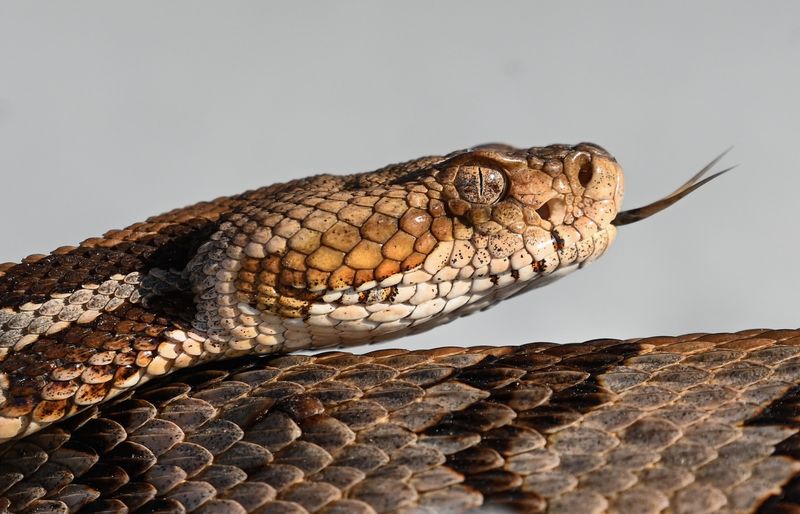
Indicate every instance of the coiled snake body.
{"type": "Point", "coordinates": [696, 423]}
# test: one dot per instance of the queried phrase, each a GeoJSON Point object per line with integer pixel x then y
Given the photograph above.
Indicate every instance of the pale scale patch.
{"type": "Point", "coordinates": [454, 275]}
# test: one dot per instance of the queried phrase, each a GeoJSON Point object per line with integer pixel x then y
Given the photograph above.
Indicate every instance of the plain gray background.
{"type": "Point", "coordinates": [111, 112]}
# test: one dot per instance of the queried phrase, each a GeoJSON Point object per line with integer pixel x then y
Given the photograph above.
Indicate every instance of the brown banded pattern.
{"type": "Point", "coordinates": [323, 261]}
{"type": "Point", "coordinates": [696, 423]}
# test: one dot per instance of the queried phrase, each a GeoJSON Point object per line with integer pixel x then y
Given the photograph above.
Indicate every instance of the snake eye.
{"type": "Point", "coordinates": [480, 184]}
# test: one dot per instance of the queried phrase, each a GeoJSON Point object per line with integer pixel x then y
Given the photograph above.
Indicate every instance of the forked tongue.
{"type": "Point", "coordinates": [640, 213]}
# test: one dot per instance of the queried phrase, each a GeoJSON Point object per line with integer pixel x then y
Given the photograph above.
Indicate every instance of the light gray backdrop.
{"type": "Point", "coordinates": [112, 111]}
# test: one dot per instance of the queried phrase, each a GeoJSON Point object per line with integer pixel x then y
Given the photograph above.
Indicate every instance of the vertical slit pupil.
{"type": "Point", "coordinates": [479, 184]}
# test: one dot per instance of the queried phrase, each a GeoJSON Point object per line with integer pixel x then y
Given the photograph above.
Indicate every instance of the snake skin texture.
{"type": "Point", "coordinates": [323, 261]}
{"type": "Point", "coordinates": [693, 424]}
{"type": "Point", "coordinates": [144, 371]}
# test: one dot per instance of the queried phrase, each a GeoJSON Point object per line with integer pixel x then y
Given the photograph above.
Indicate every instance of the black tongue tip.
{"type": "Point", "coordinates": [640, 213]}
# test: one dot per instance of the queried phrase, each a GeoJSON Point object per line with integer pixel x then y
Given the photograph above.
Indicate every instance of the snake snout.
{"type": "Point", "coordinates": [603, 181]}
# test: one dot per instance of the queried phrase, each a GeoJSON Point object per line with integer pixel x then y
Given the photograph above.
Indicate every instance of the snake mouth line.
{"type": "Point", "coordinates": [640, 213]}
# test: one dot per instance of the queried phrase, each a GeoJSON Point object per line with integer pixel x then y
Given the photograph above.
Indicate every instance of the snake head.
{"type": "Point", "coordinates": [546, 207]}
{"type": "Point", "coordinates": [339, 260]}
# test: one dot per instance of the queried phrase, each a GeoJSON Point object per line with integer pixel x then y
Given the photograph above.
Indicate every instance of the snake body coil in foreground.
{"type": "Point", "coordinates": [186, 301]}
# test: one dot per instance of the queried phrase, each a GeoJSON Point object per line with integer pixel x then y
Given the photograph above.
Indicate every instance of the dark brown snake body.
{"type": "Point", "coordinates": [690, 424]}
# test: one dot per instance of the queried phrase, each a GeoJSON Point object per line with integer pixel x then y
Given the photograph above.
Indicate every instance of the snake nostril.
{"type": "Point", "coordinates": [585, 174]}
